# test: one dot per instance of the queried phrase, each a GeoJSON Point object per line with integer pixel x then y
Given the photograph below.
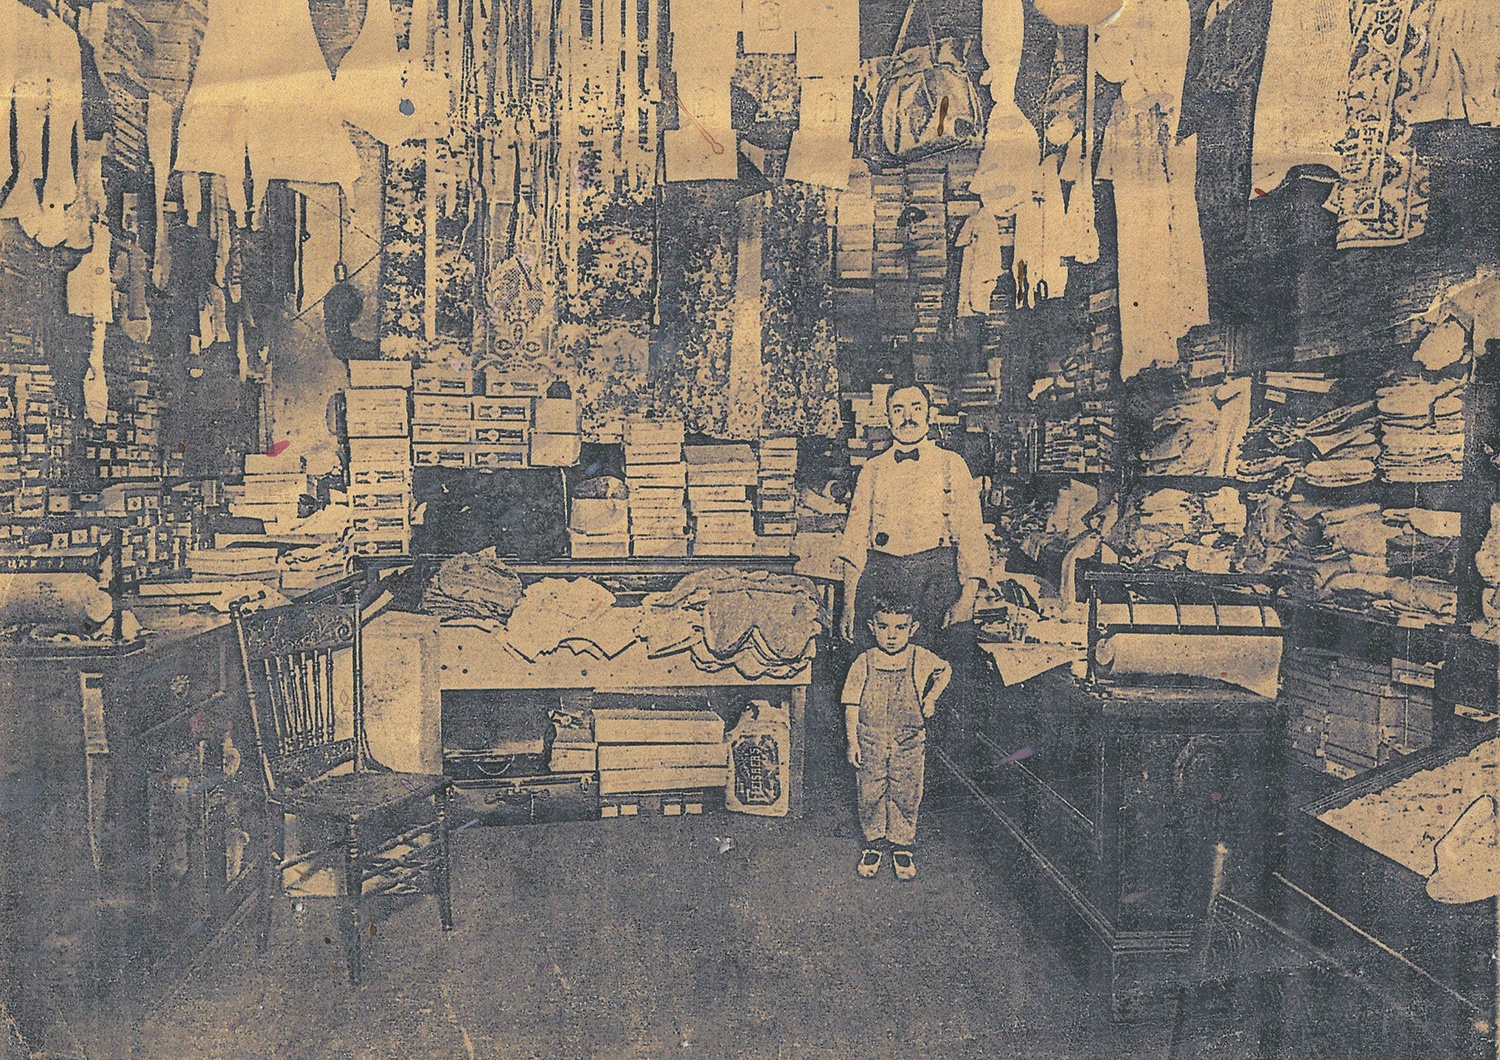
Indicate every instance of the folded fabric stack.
{"type": "Point", "coordinates": [1487, 560]}
{"type": "Point", "coordinates": [1422, 430]}
{"type": "Point", "coordinates": [579, 615]}
{"type": "Point", "coordinates": [759, 623]}
{"type": "Point", "coordinates": [472, 585]}
{"type": "Point", "coordinates": [1349, 715]}
{"type": "Point", "coordinates": [314, 566]}
{"type": "Point", "coordinates": [1202, 434]}
{"type": "Point", "coordinates": [1392, 561]}
{"type": "Point", "coordinates": [1268, 539]}
{"type": "Point", "coordinates": [1175, 529]}
{"type": "Point", "coordinates": [1343, 446]}
{"type": "Point", "coordinates": [1273, 448]}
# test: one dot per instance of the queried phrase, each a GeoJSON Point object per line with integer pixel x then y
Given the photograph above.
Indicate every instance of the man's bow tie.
{"type": "Point", "coordinates": [911, 454]}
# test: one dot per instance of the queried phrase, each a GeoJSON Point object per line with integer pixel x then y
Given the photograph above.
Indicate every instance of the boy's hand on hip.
{"type": "Point", "coordinates": [929, 707]}
{"type": "Point", "coordinates": [855, 758]}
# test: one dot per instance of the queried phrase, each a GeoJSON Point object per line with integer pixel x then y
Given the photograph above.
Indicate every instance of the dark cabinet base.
{"type": "Point", "coordinates": [1114, 800]}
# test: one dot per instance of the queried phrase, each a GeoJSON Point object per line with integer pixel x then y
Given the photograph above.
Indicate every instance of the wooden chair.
{"type": "Point", "coordinates": [379, 832]}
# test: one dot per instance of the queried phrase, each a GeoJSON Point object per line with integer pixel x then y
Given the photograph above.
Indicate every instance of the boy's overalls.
{"type": "Point", "coordinates": [892, 748]}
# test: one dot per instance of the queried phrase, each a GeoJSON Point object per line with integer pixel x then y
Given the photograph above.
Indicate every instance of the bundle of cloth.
{"type": "Point", "coordinates": [1422, 430]}
{"type": "Point", "coordinates": [577, 614]}
{"type": "Point", "coordinates": [1399, 561]}
{"type": "Point", "coordinates": [472, 585]}
{"type": "Point", "coordinates": [759, 623]}
{"type": "Point", "coordinates": [1175, 529]}
{"type": "Point", "coordinates": [1202, 433]}
{"type": "Point", "coordinates": [1274, 448]}
{"type": "Point", "coordinates": [1343, 447]}
{"type": "Point", "coordinates": [1061, 524]}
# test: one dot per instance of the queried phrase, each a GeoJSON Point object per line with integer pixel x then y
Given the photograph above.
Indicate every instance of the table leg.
{"type": "Point", "coordinates": [799, 744]}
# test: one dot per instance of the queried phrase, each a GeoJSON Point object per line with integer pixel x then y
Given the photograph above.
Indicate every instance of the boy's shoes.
{"type": "Point", "coordinates": [869, 863]}
{"type": "Point", "coordinates": [904, 864]}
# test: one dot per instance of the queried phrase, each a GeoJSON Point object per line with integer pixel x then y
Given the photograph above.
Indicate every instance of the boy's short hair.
{"type": "Point", "coordinates": [893, 604]}
{"type": "Point", "coordinates": [907, 384]}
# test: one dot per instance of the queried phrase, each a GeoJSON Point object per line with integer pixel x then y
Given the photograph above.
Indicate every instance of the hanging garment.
{"type": "Point", "coordinates": [64, 129]}
{"type": "Point", "coordinates": [1301, 105]}
{"type": "Point", "coordinates": [261, 92]}
{"type": "Point", "coordinates": [159, 127]}
{"type": "Point", "coordinates": [43, 72]}
{"type": "Point", "coordinates": [95, 389]}
{"type": "Point", "coordinates": [11, 13]}
{"type": "Point", "coordinates": [705, 41]}
{"type": "Point", "coordinates": [1041, 235]}
{"type": "Point", "coordinates": [1012, 145]}
{"type": "Point", "coordinates": [981, 244]}
{"type": "Point", "coordinates": [1459, 78]}
{"type": "Point", "coordinates": [1163, 278]}
{"type": "Point", "coordinates": [86, 210]}
{"type": "Point", "coordinates": [1381, 197]}
{"type": "Point", "coordinates": [387, 92]}
{"type": "Point", "coordinates": [91, 288]}
{"type": "Point", "coordinates": [827, 65]}
{"type": "Point", "coordinates": [1082, 238]}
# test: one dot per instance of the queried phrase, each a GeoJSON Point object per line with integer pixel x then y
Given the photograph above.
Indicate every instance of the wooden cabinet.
{"type": "Point", "coordinates": [1116, 796]}
{"type": "Point", "coordinates": [132, 815]}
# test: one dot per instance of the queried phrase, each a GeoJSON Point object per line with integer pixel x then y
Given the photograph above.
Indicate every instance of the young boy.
{"type": "Point", "coordinates": [891, 691]}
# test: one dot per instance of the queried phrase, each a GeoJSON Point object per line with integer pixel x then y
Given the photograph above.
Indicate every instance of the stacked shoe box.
{"type": "Point", "coordinates": [871, 435]}
{"type": "Point", "coordinates": [380, 456]}
{"type": "Point", "coordinates": [656, 477]}
{"type": "Point", "coordinates": [274, 486]}
{"type": "Point", "coordinates": [719, 479]}
{"type": "Point", "coordinates": [927, 214]}
{"type": "Point", "coordinates": [776, 496]}
{"type": "Point", "coordinates": [645, 756]}
{"type": "Point", "coordinates": [1349, 715]}
{"type": "Point", "coordinates": [32, 393]}
{"type": "Point", "coordinates": [453, 426]}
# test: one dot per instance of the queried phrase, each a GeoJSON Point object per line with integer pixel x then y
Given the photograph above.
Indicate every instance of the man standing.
{"type": "Point", "coordinates": [915, 529]}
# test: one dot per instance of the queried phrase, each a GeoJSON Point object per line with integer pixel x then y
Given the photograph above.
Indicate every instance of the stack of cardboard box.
{"type": "Point", "coordinates": [645, 752]}
{"type": "Point", "coordinates": [380, 456]}
{"type": "Point", "coordinates": [656, 476]}
{"type": "Point", "coordinates": [719, 478]}
{"type": "Point", "coordinates": [776, 496]}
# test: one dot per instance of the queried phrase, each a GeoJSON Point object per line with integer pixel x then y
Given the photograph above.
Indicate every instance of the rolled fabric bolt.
{"type": "Point", "coordinates": [73, 600]}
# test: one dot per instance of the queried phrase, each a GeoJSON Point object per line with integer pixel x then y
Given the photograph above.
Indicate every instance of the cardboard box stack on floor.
{"type": "Point", "coordinates": [656, 476]}
{"type": "Point", "coordinates": [380, 456]}
{"type": "Point", "coordinates": [649, 751]}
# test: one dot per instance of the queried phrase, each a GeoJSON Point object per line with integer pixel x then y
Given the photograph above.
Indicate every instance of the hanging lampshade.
{"type": "Point", "coordinates": [1078, 12]}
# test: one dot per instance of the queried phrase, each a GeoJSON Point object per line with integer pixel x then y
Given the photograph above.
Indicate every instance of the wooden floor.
{"type": "Point", "coordinates": [719, 936]}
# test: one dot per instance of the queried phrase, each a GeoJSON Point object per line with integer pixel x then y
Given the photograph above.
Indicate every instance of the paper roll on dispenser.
{"type": "Point", "coordinates": [1236, 643]}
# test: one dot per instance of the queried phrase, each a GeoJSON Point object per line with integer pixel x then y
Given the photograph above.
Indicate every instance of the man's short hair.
{"type": "Point", "coordinates": [893, 604]}
{"type": "Point", "coordinates": [907, 384]}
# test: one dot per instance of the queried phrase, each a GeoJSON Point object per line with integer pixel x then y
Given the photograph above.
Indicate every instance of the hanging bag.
{"type": "Point", "coordinates": [924, 101]}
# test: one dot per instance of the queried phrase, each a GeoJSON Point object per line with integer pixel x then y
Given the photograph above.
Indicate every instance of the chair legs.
{"type": "Point", "coordinates": [443, 868]}
{"type": "Point", "coordinates": [272, 849]}
{"type": "Point", "coordinates": [349, 903]}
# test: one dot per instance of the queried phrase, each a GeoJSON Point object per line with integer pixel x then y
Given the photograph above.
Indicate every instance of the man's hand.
{"type": "Point", "coordinates": [855, 758]}
{"type": "Point", "coordinates": [846, 621]}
